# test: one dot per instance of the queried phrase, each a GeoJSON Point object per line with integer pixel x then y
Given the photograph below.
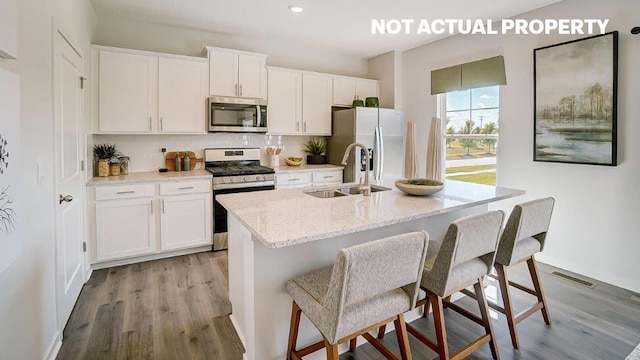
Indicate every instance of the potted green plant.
{"type": "Point", "coordinates": [317, 149]}
{"type": "Point", "coordinates": [103, 154]}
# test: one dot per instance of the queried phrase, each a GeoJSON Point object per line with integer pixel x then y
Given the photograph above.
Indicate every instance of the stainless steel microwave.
{"type": "Point", "coordinates": [237, 115]}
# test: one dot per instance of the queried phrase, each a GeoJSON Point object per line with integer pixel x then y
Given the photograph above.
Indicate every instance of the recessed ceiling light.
{"type": "Point", "coordinates": [295, 8]}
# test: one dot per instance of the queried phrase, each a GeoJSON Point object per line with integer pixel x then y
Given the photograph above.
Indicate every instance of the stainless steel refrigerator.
{"type": "Point", "coordinates": [381, 130]}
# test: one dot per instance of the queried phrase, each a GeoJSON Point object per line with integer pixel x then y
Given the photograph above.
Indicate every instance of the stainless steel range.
{"type": "Point", "coordinates": [234, 171]}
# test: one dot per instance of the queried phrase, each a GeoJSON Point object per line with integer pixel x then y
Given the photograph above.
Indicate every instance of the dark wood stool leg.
{"type": "Point", "coordinates": [381, 331]}
{"type": "Point", "coordinates": [533, 270]}
{"type": "Point", "coordinates": [508, 308]}
{"type": "Point", "coordinates": [353, 344]}
{"type": "Point", "coordinates": [403, 339]}
{"type": "Point", "coordinates": [486, 320]}
{"type": "Point", "coordinates": [332, 350]}
{"type": "Point", "coordinates": [438, 320]}
{"type": "Point", "coordinates": [293, 330]}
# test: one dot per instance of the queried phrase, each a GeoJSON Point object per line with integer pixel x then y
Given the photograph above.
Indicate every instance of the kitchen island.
{"type": "Point", "coordinates": [276, 235]}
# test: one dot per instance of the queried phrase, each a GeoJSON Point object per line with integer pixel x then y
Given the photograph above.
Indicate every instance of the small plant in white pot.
{"type": "Point", "coordinates": [317, 149]}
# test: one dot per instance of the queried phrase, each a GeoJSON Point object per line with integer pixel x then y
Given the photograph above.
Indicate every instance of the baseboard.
{"type": "Point", "coordinates": [137, 259]}
{"type": "Point", "coordinates": [54, 347]}
{"type": "Point", "coordinates": [234, 322]}
{"type": "Point", "coordinates": [596, 274]}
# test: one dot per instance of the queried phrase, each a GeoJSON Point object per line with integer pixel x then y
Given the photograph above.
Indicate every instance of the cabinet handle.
{"type": "Point", "coordinates": [297, 125]}
{"type": "Point", "coordinates": [126, 192]}
{"type": "Point", "coordinates": [294, 179]}
{"type": "Point", "coordinates": [150, 123]}
{"type": "Point", "coordinates": [240, 89]}
{"type": "Point", "coordinates": [186, 188]}
{"type": "Point", "coordinates": [305, 126]}
{"type": "Point", "coordinates": [162, 205]}
{"type": "Point", "coordinates": [237, 90]}
{"type": "Point", "coordinates": [151, 207]}
{"type": "Point", "coordinates": [160, 123]}
{"type": "Point", "coordinates": [328, 176]}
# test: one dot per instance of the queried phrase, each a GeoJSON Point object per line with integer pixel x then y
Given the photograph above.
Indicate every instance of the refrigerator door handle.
{"type": "Point", "coordinates": [378, 154]}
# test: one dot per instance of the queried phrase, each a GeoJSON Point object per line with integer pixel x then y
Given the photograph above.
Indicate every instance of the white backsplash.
{"type": "Point", "coordinates": [146, 155]}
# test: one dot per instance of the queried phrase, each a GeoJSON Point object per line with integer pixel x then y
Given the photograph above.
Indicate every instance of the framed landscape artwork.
{"type": "Point", "coordinates": [575, 101]}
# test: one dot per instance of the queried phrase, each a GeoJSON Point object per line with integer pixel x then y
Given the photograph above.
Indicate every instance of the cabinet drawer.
{"type": "Point", "coordinates": [124, 191]}
{"type": "Point", "coordinates": [296, 178]}
{"type": "Point", "coordinates": [185, 187]}
{"type": "Point", "coordinates": [321, 177]}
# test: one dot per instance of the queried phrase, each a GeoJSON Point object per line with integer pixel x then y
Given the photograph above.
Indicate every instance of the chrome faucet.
{"type": "Point", "coordinates": [366, 188]}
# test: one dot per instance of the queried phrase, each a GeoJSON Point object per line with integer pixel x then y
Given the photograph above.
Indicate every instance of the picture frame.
{"type": "Point", "coordinates": [575, 101]}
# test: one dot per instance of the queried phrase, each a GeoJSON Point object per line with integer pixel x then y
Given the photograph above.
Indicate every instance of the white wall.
{"type": "Point", "coordinates": [595, 227]}
{"type": "Point", "coordinates": [146, 155]}
{"type": "Point", "coordinates": [175, 40]}
{"type": "Point", "coordinates": [28, 327]}
{"type": "Point", "coordinates": [388, 69]}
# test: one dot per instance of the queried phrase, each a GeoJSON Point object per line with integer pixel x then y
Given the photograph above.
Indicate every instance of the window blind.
{"type": "Point", "coordinates": [475, 74]}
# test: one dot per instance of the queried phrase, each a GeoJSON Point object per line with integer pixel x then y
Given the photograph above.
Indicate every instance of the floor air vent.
{"type": "Point", "coordinates": [574, 279]}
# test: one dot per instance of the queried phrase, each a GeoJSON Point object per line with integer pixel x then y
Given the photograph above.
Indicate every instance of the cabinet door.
{"type": "Point", "coordinates": [344, 90]}
{"type": "Point", "coordinates": [128, 97]}
{"type": "Point", "coordinates": [125, 228]}
{"type": "Point", "coordinates": [182, 94]}
{"type": "Point", "coordinates": [366, 88]}
{"type": "Point", "coordinates": [316, 104]}
{"type": "Point", "coordinates": [185, 221]}
{"type": "Point", "coordinates": [223, 73]}
{"type": "Point", "coordinates": [284, 112]}
{"type": "Point", "coordinates": [252, 76]}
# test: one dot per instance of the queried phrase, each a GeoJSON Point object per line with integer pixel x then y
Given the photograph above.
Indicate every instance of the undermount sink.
{"type": "Point", "coordinates": [343, 191]}
{"type": "Point", "coordinates": [325, 194]}
{"type": "Point", "coordinates": [355, 190]}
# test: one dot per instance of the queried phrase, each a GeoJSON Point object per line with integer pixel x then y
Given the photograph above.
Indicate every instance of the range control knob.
{"type": "Point", "coordinates": [259, 178]}
{"type": "Point", "coordinates": [224, 181]}
{"type": "Point", "coordinates": [246, 179]}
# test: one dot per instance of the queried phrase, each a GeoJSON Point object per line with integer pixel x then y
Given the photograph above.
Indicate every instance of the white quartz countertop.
{"type": "Point", "coordinates": [305, 167]}
{"type": "Point", "coordinates": [150, 176]}
{"type": "Point", "coordinates": [280, 218]}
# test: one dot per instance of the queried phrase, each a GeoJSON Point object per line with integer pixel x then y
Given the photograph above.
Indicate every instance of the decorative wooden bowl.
{"type": "Point", "coordinates": [292, 163]}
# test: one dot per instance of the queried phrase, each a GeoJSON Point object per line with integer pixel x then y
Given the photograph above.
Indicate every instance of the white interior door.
{"type": "Point", "coordinates": [68, 185]}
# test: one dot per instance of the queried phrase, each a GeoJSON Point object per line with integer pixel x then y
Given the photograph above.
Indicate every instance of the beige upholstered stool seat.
{"type": "Point", "coordinates": [369, 285]}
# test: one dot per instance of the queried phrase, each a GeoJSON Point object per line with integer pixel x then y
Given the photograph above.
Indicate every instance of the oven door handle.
{"type": "Point", "coordinates": [242, 185]}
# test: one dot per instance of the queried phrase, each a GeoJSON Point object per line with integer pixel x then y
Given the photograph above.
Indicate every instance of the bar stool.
{"type": "Point", "coordinates": [369, 285]}
{"type": "Point", "coordinates": [462, 259]}
{"type": "Point", "coordinates": [523, 236]}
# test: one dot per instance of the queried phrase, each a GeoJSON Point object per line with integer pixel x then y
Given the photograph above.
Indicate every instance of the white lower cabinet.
{"type": "Point", "coordinates": [135, 220]}
{"type": "Point", "coordinates": [125, 228]}
{"type": "Point", "coordinates": [300, 179]}
{"type": "Point", "coordinates": [185, 221]}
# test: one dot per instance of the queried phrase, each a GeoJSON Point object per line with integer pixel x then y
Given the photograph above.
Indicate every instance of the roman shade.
{"type": "Point", "coordinates": [475, 74]}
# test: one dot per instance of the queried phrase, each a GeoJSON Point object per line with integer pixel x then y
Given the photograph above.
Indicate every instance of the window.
{"type": "Point", "coordinates": [472, 123]}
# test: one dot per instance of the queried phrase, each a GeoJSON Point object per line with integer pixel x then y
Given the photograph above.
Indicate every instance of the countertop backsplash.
{"type": "Point", "coordinates": [146, 155]}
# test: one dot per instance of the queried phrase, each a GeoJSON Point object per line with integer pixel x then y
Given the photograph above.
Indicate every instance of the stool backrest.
{"type": "Point", "coordinates": [468, 238]}
{"type": "Point", "coordinates": [364, 271]}
{"type": "Point", "coordinates": [528, 219]}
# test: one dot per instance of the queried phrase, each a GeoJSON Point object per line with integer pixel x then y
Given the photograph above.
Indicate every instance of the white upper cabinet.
{"type": "Point", "coordinates": [143, 92]}
{"type": "Point", "coordinates": [316, 104]}
{"type": "Point", "coordinates": [284, 112]}
{"type": "Point", "coordinates": [182, 94]}
{"type": "Point", "coordinates": [299, 102]}
{"type": "Point", "coordinates": [237, 73]}
{"type": "Point", "coordinates": [128, 86]}
{"type": "Point", "coordinates": [347, 89]}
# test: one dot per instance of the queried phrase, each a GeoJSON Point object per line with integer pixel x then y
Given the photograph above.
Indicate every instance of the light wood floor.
{"type": "Point", "coordinates": [178, 309]}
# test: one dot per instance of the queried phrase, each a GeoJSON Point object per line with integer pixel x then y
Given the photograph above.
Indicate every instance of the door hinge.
{"type": "Point", "coordinates": [84, 246]}
{"type": "Point", "coordinates": [82, 79]}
